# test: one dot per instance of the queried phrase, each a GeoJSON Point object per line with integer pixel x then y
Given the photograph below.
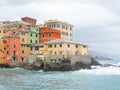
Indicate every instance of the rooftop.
{"type": "Point", "coordinates": [57, 21]}
{"type": "Point", "coordinates": [56, 41]}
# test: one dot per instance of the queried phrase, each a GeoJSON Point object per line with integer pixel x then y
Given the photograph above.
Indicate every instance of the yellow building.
{"type": "Point", "coordinates": [3, 52]}
{"type": "Point", "coordinates": [1, 29]}
{"type": "Point", "coordinates": [64, 27]}
{"type": "Point", "coordinates": [59, 47]}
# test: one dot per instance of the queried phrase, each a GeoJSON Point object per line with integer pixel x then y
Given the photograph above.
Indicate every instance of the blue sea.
{"type": "Point", "coordinates": [99, 78]}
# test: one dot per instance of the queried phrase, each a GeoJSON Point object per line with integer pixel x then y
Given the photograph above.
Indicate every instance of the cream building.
{"type": "Point", "coordinates": [64, 27]}
{"type": "Point", "coordinates": [1, 29]}
{"type": "Point", "coordinates": [10, 25]}
{"type": "Point", "coordinates": [59, 47]}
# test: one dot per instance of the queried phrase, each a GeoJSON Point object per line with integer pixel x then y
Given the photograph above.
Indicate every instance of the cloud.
{"type": "Point", "coordinates": [96, 22]}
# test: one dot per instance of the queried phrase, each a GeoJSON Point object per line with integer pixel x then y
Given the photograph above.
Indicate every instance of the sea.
{"type": "Point", "coordinates": [98, 78]}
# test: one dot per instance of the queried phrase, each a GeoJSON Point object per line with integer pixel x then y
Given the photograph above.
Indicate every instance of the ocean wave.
{"type": "Point", "coordinates": [114, 69]}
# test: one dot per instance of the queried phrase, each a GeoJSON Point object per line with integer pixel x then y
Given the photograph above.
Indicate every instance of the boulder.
{"type": "Point", "coordinates": [94, 62]}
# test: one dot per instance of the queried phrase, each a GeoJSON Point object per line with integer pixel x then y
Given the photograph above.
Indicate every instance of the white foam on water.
{"type": "Point", "coordinates": [98, 70]}
{"type": "Point", "coordinates": [40, 71]}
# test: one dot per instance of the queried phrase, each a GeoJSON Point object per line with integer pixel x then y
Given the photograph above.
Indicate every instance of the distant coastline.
{"type": "Point", "coordinates": [102, 58]}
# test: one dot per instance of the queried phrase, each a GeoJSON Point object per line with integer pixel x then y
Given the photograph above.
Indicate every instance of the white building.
{"type": "Point", "coordinates": [64, 27]}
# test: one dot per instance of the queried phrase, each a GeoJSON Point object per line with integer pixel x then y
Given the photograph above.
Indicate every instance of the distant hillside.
{"type": "Point", "coordinates": [99, 56]}
{"type": "Point", "coordinates": [102, 58]}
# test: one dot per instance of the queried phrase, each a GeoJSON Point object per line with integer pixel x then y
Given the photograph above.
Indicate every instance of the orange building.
{"type": "Point", "coordinates": [29, 20]}
{"type": "Point", "coordinates": [23, 35]}
{"type": "Point", "coordinates": [47, 34]}
{"type": "Point", "coordinates": [25, 50]}
{"type": "Point", "coordinates": [12, 48]}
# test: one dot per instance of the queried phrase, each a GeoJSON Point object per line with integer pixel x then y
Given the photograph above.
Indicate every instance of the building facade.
{"type": "Point", "coordinates": [46, 34]}
{"type": "Point", "coordinates": [64, 27]}
{"type": "Point", "coordinates": [12, 47]}
{"type": "Point", "coordinates": [25, 50]}
{"type": "Point", "coordinates": [10, 25]}
{"type": "Point", "coordinates": [3, 53]}
{"type": "Point", "coordinates": [1, 30]}
{"type": "Point", "coordinates": [60, 48]}
{"type": "Point", "coordinates": [24, 46]}
{"type": "Point", "coordinates": [33, 35]}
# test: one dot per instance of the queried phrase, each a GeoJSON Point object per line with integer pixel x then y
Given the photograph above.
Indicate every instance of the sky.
{"type": "Point", "coordinates": [96, 22]}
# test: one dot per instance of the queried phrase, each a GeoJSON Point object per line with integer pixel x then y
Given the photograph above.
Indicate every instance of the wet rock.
{"type": "Point", "coordinates": [79, 65]}
{"type": "Point", "coordinates": [94, 62]}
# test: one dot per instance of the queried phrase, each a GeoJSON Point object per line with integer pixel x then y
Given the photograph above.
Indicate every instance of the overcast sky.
{"type": "Point", "coordinates": [96, 22]}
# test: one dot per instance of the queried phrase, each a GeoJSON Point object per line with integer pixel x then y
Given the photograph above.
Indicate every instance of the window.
{"type": "Point", "coordinates": [22, 45]}
{"type": "Point", "coordinates": [0, 31]}
{"type": "Point", "coordinates": [31, 48]}
{"type": "Point", "coordinates": [70, 28]}
{"type": "Point", "coordinates": [60, 45]}
{"type": "Point", "coordinates": [55, 45]}
{"type": "Point", "coordinates": [31, 41]}
{"type": "Point", "coordinates": [23, 33]}
{"type": "Point", "coordinates": [84, 46]}
{"type": "Point", "coordinates": [31, 34]}
{"type": "Point", "coordinates": [4, 48]}
{"type": "Point", "coordinates": [22, 58]}
{"type": "Point", "coordinates": [50, 34]}
{"type": "Point", "coordinates": [36, 48]}
{"type": "Point", "coordinates": [63, 27]}
{"type": "Point", "coordinates": [58, 25]}
{"type": "Point", "coordinates": [63, 33]}
{"type": "Point", "coordinates": [22, 51]}
{"type": "Point", "coordinates": [49, 46]}
{"type": "Point", "coordinates": [68, 45]}
{"type": "Point", "coordinates": [66, 33]}
{"type": "Point", "coordinates": [22, 39]}
{"type": "Point", "coordinates": [49, 26]}
{"type": "Point", "coordinates": [7, 52]}
{"type": "Point", "coordinates": [14, 45]}
{"type": "Point", "coordinates": [36, 35]}
{"type": "Point", "coordinates": [66, 27]}
{"type": "Point", "coordinates": [35, 41]}
{"type": "Point", "coordinates": [43, 35]}
{"type": "Point", "coordinates": [4, 41]}
{"type": "Point", "coordinates": [70, 34]}
{"type": "Point", "coordinates": [54, 25]}
{"type": "Point", "coordinates": [76, 46]}
{"type": "Point", "coordinates": [60, 52]}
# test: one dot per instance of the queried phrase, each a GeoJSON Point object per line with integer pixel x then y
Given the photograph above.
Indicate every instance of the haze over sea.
{"type": "Point", "coordinates": [99, 78]}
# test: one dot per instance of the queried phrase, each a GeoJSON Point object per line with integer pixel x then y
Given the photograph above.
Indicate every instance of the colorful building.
{"type": "Point", "coordinates": [64, 27]}
{"type": "Point", "coordinates": [23, 35]}
{"type": "Point", "coordinates": [1, 29]}
{"type": "Point", "coordinates": [10, 25]}
{"type": "Point", "coordinates": [13, 47]}
{"type": "Point", "coordinates": [29, 20]}
{"type": "Point", "coordinates": [25, 50]}
{"type": "Point", "coordinates": [3, 53]}
{"type": "Point", "coordinates": [33, 35]}
{"type": "Point", "coordinates": [47, 34]}
{"type": "Point", "coordinates": [60, 48]}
